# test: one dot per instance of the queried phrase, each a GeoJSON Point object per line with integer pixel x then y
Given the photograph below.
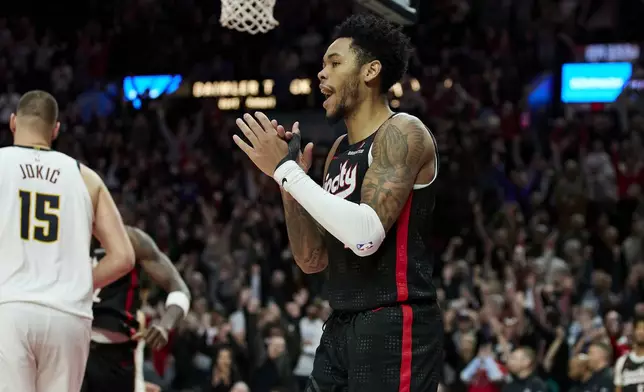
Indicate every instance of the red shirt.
{"type": "Point", "coordinates": [620, 346]}
{"type": "Point", "coordinates": [480, 383]}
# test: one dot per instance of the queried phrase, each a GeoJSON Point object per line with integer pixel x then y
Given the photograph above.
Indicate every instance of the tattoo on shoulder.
{"type": "Point", "coordinates": [398, 156]}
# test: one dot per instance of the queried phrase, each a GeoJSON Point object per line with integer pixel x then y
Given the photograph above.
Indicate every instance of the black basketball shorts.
{"type": "Point", "coordinates": [391, 349]}
{"type": "Point", "coordinates": [110, 368]}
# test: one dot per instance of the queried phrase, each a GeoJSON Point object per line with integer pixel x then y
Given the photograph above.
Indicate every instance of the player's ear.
{"type": "Point", "coordinates": [372, 70]}
{"type": "Point", "coordinates": [54, 133]}
{"type": "Point", "coordinates": [12, 123]}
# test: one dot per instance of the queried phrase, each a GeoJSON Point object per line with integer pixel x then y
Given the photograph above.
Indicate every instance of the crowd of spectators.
{"type": "Point", "coordinates": [539, 220]}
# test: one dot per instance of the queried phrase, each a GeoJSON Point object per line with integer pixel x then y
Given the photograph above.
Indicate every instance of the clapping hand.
{"type": "Point", "coordinates": [266, 149]}
{"type": "Point", "coordinates": [305, 158]}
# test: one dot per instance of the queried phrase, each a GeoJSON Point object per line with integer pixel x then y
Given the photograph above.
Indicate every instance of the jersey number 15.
{"type": "Point", "coordinates": [44, 208]}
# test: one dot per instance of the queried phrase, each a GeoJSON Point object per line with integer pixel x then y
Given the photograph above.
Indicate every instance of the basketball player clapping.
{"type": "Point", "coordinates": [369, 223]}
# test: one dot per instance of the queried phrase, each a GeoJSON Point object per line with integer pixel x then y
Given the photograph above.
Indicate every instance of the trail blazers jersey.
{"type": "Point", "coordinates": [629, 373]}
{"type": "Point", "coordinates": [401, 270]}
{"type": "Point", "coordinates": [46, 217]}
{"type": "Point", "coordinates": [116, 304]}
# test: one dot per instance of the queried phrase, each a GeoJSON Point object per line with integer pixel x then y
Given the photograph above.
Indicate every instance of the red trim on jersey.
{"type": "Point", "coordinates": [402, 238]}
{"type": "Point", "coordinates": [129, 300]}
{"type": "Point", "coordinates": [405, 357]}
{"type": "Point", "coordinates": [402, 234]}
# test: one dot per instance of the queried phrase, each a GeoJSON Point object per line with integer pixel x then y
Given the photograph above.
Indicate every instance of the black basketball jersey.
{"type": "Point", "coordinates": [629, 373]}
{"type": "Point", "coordinates": [401, 270]}
{"type": "Point", "coordinates": [115, 305]}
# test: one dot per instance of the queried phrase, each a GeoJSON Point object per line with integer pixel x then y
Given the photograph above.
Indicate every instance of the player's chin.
{"type": "Point", "coordinates": [333, 115]}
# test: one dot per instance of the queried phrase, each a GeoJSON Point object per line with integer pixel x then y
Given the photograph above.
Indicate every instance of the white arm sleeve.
{"type": "Point", "coordinates": [357, 226]}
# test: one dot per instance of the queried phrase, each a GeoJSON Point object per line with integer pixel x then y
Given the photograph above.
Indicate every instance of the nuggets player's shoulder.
{"type": "Point", "coordinates": [89, 173]}
{"type": "Point", "coordinates": [91, 178]}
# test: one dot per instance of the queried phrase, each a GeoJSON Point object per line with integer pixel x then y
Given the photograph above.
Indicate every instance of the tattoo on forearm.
{"type": "Point", "coordinates": [397, 158]}
{"type": "Point", "coordinates": [305, 237]}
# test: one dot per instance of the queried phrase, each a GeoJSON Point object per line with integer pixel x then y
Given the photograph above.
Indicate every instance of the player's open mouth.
{"type": "Point", "coordinates": [326, 101]}
{"type": "Point", "coordinates": [328, 93]}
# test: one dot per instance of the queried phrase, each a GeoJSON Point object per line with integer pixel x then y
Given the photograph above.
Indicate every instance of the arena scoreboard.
{"type": "Point", "coordinates": [248, 94]}
{"type": "Point", "coordinates": [245, 94]}
{"type": "Point", "coordinates": [267, 94]}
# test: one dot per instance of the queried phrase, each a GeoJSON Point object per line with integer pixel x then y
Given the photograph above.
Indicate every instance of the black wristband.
{"type": "Point", "coordinates": [293, 150]}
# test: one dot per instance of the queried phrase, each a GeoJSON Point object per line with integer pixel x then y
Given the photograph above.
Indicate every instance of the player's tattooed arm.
{"type": "Point", "coordinates": [305, 237]}
{"type": "Point", "coordinates": [399, 152]}
{"type": "Point", "coordinates": [161, 270]}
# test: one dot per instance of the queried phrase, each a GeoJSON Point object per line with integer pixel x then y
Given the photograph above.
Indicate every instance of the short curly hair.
{"type": "Point", "coordinates": [374, 38]}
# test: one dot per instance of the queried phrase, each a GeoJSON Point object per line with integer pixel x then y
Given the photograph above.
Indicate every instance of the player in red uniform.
{"type": "Point", "coordinates": [115, 329]}
{"type": "Point", "coordinates": [370, 223]}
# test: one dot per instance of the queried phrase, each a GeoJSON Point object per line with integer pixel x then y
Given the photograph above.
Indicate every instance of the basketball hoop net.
{"type": "Point", "coordinates": [249, 16]}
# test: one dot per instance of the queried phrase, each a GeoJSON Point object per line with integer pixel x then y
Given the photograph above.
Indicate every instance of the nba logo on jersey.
{"type": "Point", "coordinates": [366, 246]}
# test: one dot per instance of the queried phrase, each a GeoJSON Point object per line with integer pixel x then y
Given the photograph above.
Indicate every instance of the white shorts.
{"type": "Point", "coordinates": [42, 349]}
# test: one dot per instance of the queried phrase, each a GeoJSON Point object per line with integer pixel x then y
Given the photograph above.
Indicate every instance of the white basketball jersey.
{"type": "Point", "coordinates": [46, 219]}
